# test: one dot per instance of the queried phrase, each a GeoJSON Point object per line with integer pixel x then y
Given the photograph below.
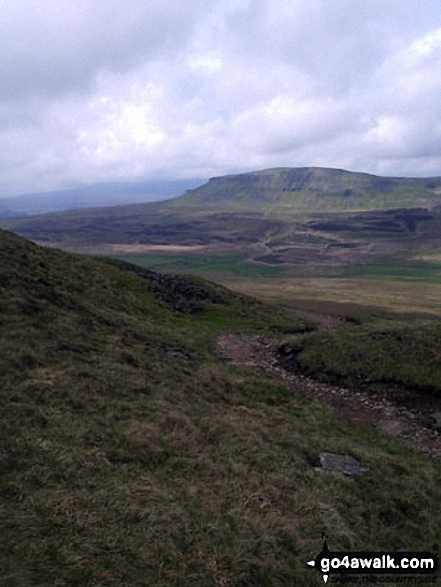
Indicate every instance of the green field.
{"type": "Point", "coordinates": [235, 264]}
{"type": "Point", "coordinates": [417, 271]}
{"type": "Point", "coordinates": [409, 288]}
{"type": "Point", "coordinates": [240, 265]}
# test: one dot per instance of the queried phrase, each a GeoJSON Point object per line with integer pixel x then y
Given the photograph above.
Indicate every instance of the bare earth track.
{"type": "Point", "coordinates": [405, 423]}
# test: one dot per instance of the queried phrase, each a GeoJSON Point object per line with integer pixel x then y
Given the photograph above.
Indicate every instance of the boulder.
{"type": "Point", "coordinates": [344, 464]}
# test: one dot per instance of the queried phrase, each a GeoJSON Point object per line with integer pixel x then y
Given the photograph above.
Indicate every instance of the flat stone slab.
{"type": "Point", "coordinates": [390, 427]}
{"type": "Point", "coordinates": [344, 464]}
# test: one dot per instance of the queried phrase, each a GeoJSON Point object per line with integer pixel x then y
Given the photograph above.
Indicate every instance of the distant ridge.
{"type": "Point", "coordinates": [94, 195]}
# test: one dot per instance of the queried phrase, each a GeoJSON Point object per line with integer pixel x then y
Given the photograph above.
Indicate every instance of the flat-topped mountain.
{"type": "Point", "coordinates": [314, 189]}
{"type": "Point", "coordinates": [280, 216]}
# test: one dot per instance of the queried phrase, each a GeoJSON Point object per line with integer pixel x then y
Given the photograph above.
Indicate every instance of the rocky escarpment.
{"type": "Point", "coordinates": [180, 293]}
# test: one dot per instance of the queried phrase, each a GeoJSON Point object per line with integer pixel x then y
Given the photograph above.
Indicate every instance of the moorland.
{"type": "Point", "coordinates": [161, 429]}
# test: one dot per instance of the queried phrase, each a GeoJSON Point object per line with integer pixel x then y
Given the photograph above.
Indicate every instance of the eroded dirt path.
{"type": "Point", "coordinates": [407, 425]}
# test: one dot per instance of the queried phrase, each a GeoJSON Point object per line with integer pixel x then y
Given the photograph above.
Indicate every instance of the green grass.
{"type": "Point", "coordinates": [235, 264]}
{"type": "Point", "coordinates": [373, 357]}
{"type": "Point", "coordinates": [417, 271]}
{"type": "Point", "coordinates": [132, 455]}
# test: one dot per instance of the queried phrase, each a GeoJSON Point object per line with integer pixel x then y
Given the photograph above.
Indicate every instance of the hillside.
{"type": "Point", "coordinates": [132, 454]}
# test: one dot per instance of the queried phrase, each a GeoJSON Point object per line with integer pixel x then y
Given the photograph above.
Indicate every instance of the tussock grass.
{"type": "Point", "coordinates": [126, 462]}
{"type": "Point", "coordinates": [372, 356]}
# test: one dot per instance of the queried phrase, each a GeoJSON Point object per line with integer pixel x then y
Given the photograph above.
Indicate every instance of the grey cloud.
{"type": "Point", "coordinates": [335, 43]}
{"type": "Point", "coordinates": [94, 90]}
{"type": "Point", "coordinates": [54, 46]}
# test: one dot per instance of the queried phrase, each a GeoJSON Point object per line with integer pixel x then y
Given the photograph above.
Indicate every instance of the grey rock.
{"type": "Point", "coordinates": [390, 427]}
{"type": "Point", "coordinates": [344, 464]}
{"type": "Point", "coordinates": [177, 353]}
{"type": "Point", "coordinates": [436, 418]}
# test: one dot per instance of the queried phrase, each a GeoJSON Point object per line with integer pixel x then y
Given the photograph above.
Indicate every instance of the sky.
{"type": "Point", "coordinates": [128, 90]}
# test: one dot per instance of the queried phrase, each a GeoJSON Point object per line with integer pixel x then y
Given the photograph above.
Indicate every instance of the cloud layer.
{"type": "Point", "coordinates": [95, 90]}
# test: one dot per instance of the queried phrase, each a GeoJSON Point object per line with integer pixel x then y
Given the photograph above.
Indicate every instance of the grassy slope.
{"type": "Point", "coordinates": [392, 356]}
{"type": "Point", "coordinates": [131, 455]}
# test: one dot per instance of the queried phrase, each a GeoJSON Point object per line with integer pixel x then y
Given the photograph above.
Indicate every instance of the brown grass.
{"type": "Point", "coordinates": [141, 248]}
{"type": "Point", "coordinates": [412, 298]}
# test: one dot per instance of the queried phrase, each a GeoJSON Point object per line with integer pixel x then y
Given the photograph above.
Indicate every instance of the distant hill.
{"type": "Point", "coordinates": [279, 212]}
{"type": "Point", "coordinates": [95, 195]}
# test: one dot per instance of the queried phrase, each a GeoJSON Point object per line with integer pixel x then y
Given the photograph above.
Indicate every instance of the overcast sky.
{"type": "Point", "coordinates": [99, 90]}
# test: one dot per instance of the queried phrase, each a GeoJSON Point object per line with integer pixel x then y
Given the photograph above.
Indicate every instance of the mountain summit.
{"type": "Point", "coordinates": [314, 188]}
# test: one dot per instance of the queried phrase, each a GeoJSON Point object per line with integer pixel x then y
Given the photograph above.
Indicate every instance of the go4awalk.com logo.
{"type": "Point", "coordinates": [400, 567]}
